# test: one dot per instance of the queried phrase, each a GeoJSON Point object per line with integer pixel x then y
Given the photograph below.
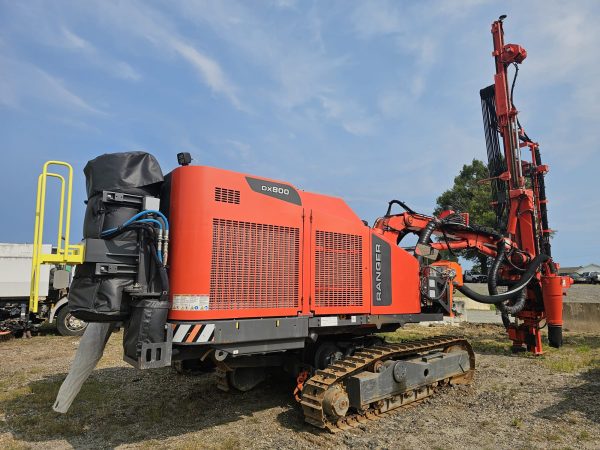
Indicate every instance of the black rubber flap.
{"type": "Point", "coordinates": [123, 172]}
{"type": "Point", "coordinates": [145, 325]}
{"type": "Point", "coordinates": [98, 299]}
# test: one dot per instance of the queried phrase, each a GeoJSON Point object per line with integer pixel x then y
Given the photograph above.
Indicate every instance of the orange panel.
{"type": "Point", "coordinates": [244, 246]}
{"type": "Point", "coordinates": [235, 252]}
{"type": "Point", "coordinates": [339, 252]}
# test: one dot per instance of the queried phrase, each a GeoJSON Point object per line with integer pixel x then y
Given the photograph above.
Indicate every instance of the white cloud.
{"type": "Point", "coordinates": [238, 150]}
{"type": "Point", "coordinates": [209, 70]}
{"type": "Point", "coordinates": [71, 40]}
{"type": "Point", "coordinates": [97, 58]}
{"type": "Point", "coordinates": [284, 4]}
{"type": "Point", "coordinates": [376, 18]}
{"type": "Point", "coordinates": [560, 68]}
{"type": "Point", "coordinates": [145, 22]}
{"type": "Point", "coordinates": [305, 75]}
{"type": "Point", "coordinates": [23, 82]}
{"type": "Point", "coordinates": [351, 117]}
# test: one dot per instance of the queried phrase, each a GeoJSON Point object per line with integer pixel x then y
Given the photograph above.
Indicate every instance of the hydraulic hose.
{"type": "Point", "coordinates": [515, 289]}
{"type": "Point", "coordinates": [160, 219]}
{"type": "Point", "coordinates": [493, 272]}
{"type": "Point", "coordinates": [425, 236]}
{"type": "Point", "coordinates": [493, 287]}
{"type": "Point", "coordinates": [517, 307]}
{"type": "Point", "coordinates": [162, 272]}
{"type": "Point", "coordinates": [401, 204]}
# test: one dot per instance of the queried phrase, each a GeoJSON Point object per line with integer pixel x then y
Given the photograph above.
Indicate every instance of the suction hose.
{"type": "Point", "coordinates": [493, 287]}
{"type": "Point", "coordinates": [425, 236]}
{"type": "Point", "coordinates": [515, 289]}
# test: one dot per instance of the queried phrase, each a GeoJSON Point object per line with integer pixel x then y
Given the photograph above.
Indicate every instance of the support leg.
{"type": "Point", "coordinates": [91, 348]}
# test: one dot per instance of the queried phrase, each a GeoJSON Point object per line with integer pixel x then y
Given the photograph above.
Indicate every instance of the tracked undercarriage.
{"type": "Point", "coordinates": [368, 383]}
{"type": "Point", "coordinates": [378, 380]}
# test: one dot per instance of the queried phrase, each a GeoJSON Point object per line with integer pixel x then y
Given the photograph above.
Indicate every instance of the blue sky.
{"type": "Point", "coordinates": [368, 101]}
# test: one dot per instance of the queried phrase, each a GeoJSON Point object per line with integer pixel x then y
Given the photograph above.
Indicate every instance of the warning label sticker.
{"type": "Point", "coordinates": [329, 321]}
{"type": "Point", "coordinates": [190, 302]}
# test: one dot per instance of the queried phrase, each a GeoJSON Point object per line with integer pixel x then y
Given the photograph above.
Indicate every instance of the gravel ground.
{"type": "Point", "coordinates": [515, 402]}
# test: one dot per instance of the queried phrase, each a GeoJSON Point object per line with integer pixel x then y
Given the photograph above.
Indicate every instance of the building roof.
{"type": "Point", "coordinates": [569, 270]}
{"type": "Point", "coordinates": [580, 269]}
{"type": "Point", "coordinates": [590, 268]}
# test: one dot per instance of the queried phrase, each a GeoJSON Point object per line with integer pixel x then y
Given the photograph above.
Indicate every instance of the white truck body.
{"type": "Point", "coordinates": [15, 270]}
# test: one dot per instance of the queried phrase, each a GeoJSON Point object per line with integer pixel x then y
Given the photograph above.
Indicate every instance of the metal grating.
{"type": "Point", "coordinates": [338, 272]}
{"type": "Point", "coordinates": [227, 195]}
{"type": "Point", "coordinates": [254, 266]}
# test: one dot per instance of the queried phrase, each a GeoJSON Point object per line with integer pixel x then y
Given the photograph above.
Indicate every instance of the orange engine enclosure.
{"type": "Point", "coordinates": [243, 252]}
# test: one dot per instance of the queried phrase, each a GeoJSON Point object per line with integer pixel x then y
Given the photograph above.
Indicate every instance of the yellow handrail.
{"type": "Point", "coordinates": [65, 254]}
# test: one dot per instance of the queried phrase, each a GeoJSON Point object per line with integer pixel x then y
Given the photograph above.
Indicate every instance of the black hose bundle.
{"type": "Point", "coordinates": [162, 272]}
{"type": "Point", "coordinates": [514, 290]}
{"type": "Point", "coordinates": [146, 323]}
{"type": "Point", "coordinates": [519, 298]}
{"type": "Point", "coordinates": [150, 232]}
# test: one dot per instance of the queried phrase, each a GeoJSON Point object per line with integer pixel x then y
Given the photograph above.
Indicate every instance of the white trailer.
{"type": "Point", "coordinates": [15, 279]}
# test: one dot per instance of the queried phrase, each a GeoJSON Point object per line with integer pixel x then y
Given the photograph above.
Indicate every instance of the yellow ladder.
{"type": "Point", "coordinates": [65, 253]}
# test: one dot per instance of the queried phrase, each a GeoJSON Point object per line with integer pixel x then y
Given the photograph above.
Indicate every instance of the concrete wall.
{"type": "Point", "coordinates": [581, 316]}
{"type": "Point", "coordinates": [480, 288]}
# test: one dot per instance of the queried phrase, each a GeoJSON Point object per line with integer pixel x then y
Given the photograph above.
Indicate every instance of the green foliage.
{"type": "Point", "coordinates": [469, 195]}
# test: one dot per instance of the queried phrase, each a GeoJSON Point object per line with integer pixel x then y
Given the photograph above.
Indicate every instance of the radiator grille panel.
{"type": "Point", "coordinates": [338, 277]}
{"type": "Point", "coordinates": [254, 266]}
{"type": "Point", "coordinates": [227, 195]}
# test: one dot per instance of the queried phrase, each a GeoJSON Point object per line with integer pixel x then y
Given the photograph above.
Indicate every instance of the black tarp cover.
{"type": "Point", "coordinates": [121, 172]}
{"type": "Point", "coordinates": [96, 298]}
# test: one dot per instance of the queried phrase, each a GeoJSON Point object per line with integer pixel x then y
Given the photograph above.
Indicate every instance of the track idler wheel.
{"type": "Point", "coordinates": [326, 354]}
{"type": "Point", "coordinates": [336, 403]}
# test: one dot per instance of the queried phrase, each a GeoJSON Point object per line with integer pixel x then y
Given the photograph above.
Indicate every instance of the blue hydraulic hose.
{"type": "Point", "coordinates": [110, 230]}
{"type": "Point", "coordinates": [147, 220]}
{"type": "Point", "coordinates": [160, 225]}
{"type": "Point", "coordinates": [140, 214]}
{"type": "Point", "coordinates": [149, 211]}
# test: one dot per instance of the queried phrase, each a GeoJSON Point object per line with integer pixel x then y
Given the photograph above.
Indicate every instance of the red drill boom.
{"type": "Point", "coordinates": [520, 245]}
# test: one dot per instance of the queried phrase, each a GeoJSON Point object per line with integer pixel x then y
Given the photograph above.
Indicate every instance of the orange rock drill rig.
{"type": "Point", "coordinates": [212, 269]}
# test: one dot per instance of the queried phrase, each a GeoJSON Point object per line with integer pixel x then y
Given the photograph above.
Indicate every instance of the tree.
{"type": "Point", "coordinates": [469, 195]}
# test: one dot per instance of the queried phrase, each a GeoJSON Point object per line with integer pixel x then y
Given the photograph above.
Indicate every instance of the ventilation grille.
{"type": "Point", "coordinates": [253, 266]}
{"type": "Point", "coordinates": [227, 195]}
{"type": "Point", "coordinates": [338, 277]}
